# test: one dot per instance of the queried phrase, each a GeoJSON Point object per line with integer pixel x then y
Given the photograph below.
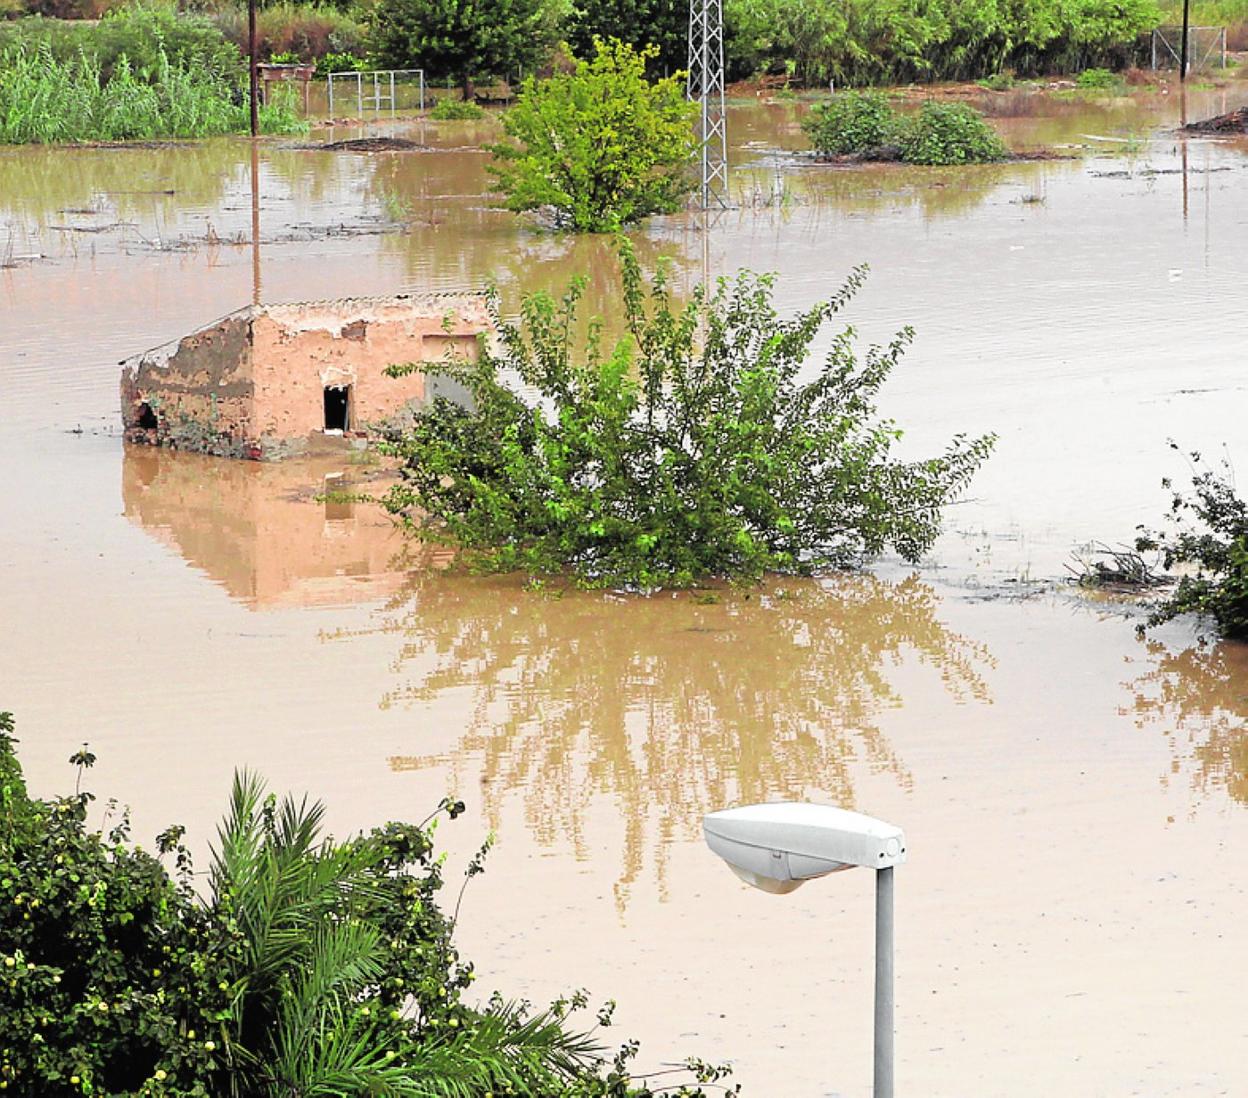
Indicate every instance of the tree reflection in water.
{"type": "Point", "coordinates": [670, 705]}
{"type": "Point", "coordinates": [1200, 696]}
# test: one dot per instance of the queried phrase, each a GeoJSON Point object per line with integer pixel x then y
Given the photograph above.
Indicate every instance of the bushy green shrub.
{"type": "Point", "coordinates": [851, 122]}
{"type": "Point", "coordinates": [1100, 79]}
{"type": "Point", "coordinates": [1209, 531]}
{"type": "Point", "coordinates": [998, 81]}
{"type": "Point", "coordinates": [600, 147]}
{"type": "Point", "coordinates": [702, 444]}
{"type": "Point", "coordinates": [663, 24]}
{"type": "Point", "coordinates": [949, 133]}
{"type": "Point", "coordinates": [341, 62]}
{"type": "Point", "coordinates": [44, 101]}
{"type": "Point", "coordinates": [456, 110]}
{"type": "Point", "coordinates": [309, 967]}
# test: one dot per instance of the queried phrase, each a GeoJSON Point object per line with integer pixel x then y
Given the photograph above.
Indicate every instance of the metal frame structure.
{"type": "Point", "coordinates": [382, 94]}
{"type": "Point", "coordinates": [706, 88]}
{"type": "Point", "coordinates": [1167, 46]}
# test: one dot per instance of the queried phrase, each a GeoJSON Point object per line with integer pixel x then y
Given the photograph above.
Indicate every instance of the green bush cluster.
{"type": "Point", "coordinates": [1099, 79]}
{"type": "Point", "coordinates": [864, 123]}
{"type": "Point", "coordinates": [1208, 534]}
{"type": "Point", "coordinates": [43, 100]}
{"type": "Point", "coordinates": [456, 110]}
{"type": "Point", "coordinates": [308, 967]}
{"type": "Point", "coordinates": [599, 147]}
{"type": "Point", "coordinates": [699, 445]}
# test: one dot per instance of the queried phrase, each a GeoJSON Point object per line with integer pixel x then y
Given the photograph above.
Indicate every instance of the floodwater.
{"type": "Point", "coordinates": [1075, 800]}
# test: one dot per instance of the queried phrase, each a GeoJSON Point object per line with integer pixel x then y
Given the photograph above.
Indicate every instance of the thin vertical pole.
{"type": "Point", "coordinates": [359, 94]}
{"type": "Point", "coordinates": [883, 1087]}
{"type": "Point", "coordinates": [255, 223]}
{"type": "Point", "coordinates": [254, 77]}
{"type": "Point", "coordinates": [1183, 44]}
{"type": "Point", "coordinates": [392, 91]}
{"type": "Point", "coordinates": [330, 78]}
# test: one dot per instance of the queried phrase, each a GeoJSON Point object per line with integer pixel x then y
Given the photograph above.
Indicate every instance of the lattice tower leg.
{"type": "Point", "coordinates": [706, 88]}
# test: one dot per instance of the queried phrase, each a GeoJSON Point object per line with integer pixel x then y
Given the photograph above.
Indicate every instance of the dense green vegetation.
{"type": "Point", "coordinates": [701, 444]}
{"type": "Point", "coordinates": [1208, 535]}
{"type": "Point", "coordinates": [863, 42]}
{"type": "Point", "coordinates": [448, 38]}
{"type": "Point", "coordinates": [43, 100]}
{"type": "Point", "coordinates": [599, 147]}
{"type": "Point", "coordinates": [863, 123]}
{"type": "Point", "coordinates": [304, 966]}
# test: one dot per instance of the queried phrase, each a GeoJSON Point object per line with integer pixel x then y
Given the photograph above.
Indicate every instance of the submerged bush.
{"type": "Point", "coordinates": [939, 134]}
{"type": "Point", "coordinates": [1100, 79]}
{"type": "Point", "coordinates": [1210, 534]}
{"type": "Point", "coordinates": [699, 445]}
{"type": "Point", "coordinates": [949, 133]}
{"type": "Point", "coordinates": [600, 147]}
{"type": "Point", "coordinates": [43, 100]}
{"type": "Point", "coordinates": [456, 110]}
{"type": "Point", "coordinates": [309, 967]}
{"type": "Point", "coordinates": [851, 122]}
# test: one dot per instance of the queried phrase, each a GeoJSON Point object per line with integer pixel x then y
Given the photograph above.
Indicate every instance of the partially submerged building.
{"type": "Point", "coordinates": [269, 381]}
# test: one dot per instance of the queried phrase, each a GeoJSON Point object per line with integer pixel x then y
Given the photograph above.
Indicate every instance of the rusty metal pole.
{"type": "Point", "coordinates": [251, 59]}
{"type": "Point", "coordinates": [1183, 42]}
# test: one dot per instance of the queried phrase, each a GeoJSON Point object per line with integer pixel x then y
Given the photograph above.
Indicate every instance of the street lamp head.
{"type": "Point", "coordinates": [776, 847]}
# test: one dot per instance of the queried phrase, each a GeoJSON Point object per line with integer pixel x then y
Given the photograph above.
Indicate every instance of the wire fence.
{"type": "Point", "coordinates": [1206, 47]}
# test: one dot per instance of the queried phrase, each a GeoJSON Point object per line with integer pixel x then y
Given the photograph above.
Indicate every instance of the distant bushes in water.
{"type": "Point", "coordinates": [702, 444]}
{"type": "Point", "coordinates": [864, 42]}
{"type": "Point", "coordinates": [447, 109]}
{"type": "Point", "coordinates": [1208, 534]}
{"type": "Point", "coordinates": [938, 134]}
{"type": "Point", "coordinates": [45, 100]}
{"type": "Point", "coordinates": [301, 966]}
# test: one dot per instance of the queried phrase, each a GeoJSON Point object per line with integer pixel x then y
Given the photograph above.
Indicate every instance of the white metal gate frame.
{"type": "Point", "coordinates": [381, 94]}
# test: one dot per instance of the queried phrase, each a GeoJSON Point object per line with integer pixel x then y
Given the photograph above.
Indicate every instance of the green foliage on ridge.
{"type": "Point", "coordinates": [600, 147]}
{"type": "Point", "coordinates": [700, 445]}
{"type": "Point", "coordinates": [310, 967]}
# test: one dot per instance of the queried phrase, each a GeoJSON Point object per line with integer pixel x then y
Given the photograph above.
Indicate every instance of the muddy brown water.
{"type": "Point", "coordinates": [1071, 920]}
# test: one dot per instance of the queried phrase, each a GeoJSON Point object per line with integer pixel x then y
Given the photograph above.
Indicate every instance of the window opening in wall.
{"type": "Point", "coordinates": [147, 418]}
{"type": "Point", "coordinates": [337, 408]}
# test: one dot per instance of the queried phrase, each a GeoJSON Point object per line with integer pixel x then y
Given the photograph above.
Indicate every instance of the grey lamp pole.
{"type": "Point", "coordinates": [883, 1087]}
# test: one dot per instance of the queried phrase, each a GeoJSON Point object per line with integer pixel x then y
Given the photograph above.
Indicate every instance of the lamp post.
{"type": "Point", "coordinates": [777, 847]}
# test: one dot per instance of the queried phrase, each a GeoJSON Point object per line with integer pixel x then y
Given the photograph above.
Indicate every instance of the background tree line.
{"type": "Point", "coordinates": [854, 42]}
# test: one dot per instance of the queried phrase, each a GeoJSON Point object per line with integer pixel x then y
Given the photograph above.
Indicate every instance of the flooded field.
{"type": "Point", "coordinates": [1075, 799]}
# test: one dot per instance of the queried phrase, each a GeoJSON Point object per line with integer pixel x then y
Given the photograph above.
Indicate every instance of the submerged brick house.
{"type": "Point", "coordinates": [269, 381]}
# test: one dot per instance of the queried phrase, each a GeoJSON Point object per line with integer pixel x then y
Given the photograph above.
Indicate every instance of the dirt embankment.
{"type": "Point", "coordinates": [1234, 122]}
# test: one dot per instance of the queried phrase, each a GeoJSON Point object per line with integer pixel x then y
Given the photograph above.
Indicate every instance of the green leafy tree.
{"type": "Point", "coordinates": [1209, 533]}
{"type": "Point", "coordinates": [663, 24]}
{"type": "Point", "coordinates": [600, 147]}
{"type": "Point", "coordinates": [699, 445]}
{"type": "Point", "coordinates": [463, 39]}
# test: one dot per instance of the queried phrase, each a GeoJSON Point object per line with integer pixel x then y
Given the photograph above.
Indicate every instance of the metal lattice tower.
{"type": "Point", "coordinates": [706, 88]}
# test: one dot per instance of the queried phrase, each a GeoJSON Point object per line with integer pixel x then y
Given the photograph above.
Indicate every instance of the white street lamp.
{"type": "Point", "coordinates": [776, 847]}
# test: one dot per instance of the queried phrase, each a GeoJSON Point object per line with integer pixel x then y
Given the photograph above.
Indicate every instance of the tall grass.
{"type": "Point", "coordinates": [310, 31]}
{"type": "Point", "coordinates": [44, 100]}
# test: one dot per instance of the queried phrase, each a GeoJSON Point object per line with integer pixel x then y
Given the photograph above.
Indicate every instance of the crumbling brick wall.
{"type": "Point", "coordinates": [253, 384]}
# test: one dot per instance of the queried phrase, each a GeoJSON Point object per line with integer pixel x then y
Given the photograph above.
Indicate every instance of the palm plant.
{"type": "Point", "coordinates": [330, 974]}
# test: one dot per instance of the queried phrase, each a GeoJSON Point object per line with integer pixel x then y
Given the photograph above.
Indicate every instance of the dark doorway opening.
{"type": "Point", "coordinates": [337, 407]}
{"type": "Point", "coordinates": [147, 418]}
